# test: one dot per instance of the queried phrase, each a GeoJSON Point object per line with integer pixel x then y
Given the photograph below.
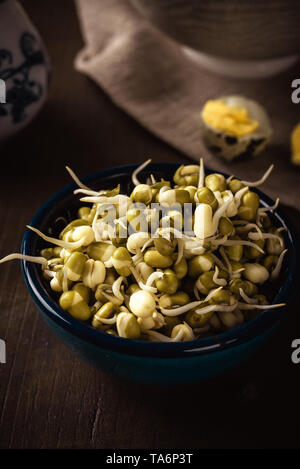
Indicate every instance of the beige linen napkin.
{"type": "Point", "coordinates": [145, 73]}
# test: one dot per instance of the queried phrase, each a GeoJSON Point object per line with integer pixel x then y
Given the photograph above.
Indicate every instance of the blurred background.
{"type": "Point", "coordinates": [60, 401]}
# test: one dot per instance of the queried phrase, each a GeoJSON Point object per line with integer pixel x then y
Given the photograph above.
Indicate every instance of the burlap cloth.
{"type": "Point", "coordinates": [147, 75]}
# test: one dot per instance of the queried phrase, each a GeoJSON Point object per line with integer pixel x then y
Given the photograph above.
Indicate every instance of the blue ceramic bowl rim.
{"type": "Point", "coordinates": [234, 337]}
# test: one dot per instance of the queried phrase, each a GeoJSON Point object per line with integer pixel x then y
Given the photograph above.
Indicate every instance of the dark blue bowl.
{"type": "Point", "coordinates": [151, 362]}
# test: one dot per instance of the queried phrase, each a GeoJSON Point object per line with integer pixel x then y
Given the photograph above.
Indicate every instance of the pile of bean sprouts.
{"type": "Point", "coordinates": [168, 285]}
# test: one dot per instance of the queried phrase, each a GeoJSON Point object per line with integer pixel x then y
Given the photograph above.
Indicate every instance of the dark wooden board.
{"type": "Point", "coordinates": [48, 397]}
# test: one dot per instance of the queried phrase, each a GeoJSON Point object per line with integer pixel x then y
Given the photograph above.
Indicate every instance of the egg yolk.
{"type": "Point", "coordinates": [295, 143]}
{"type": "Point", "coordinates": [232, 120]}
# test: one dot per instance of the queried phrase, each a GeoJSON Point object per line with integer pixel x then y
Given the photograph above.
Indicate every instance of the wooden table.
{"type": "Point", "coordinates": [48, 397]}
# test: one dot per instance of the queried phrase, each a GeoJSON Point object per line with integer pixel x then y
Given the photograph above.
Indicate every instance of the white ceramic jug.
{"type": "Point", "coordinates": [24, 69]}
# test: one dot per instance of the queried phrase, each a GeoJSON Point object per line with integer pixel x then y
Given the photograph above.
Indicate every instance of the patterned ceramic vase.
{"type": "Point", "coordinates": [24, 69]}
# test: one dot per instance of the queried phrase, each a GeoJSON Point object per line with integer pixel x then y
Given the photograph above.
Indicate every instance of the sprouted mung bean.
{"type": "Point", "coordinates": [170, 262]}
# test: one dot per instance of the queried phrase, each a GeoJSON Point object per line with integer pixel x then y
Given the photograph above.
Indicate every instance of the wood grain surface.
{"type": "Point", "coordinates": [48, 397]}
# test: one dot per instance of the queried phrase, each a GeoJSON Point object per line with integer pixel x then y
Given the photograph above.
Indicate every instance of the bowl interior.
{"type": "Point", "coordinates": [62, 208]}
